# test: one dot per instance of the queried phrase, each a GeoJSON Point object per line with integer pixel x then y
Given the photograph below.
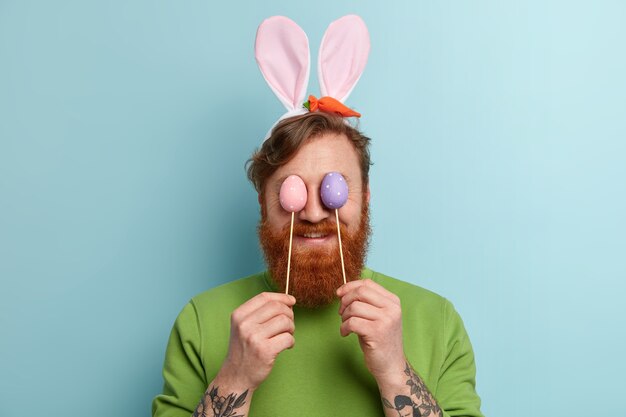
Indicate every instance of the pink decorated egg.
{"type": "Point", "coordinates": [293, 194]}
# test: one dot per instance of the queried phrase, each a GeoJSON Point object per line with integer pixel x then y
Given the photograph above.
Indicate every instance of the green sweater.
{"type": "Point", "coordinates": [324, 374]}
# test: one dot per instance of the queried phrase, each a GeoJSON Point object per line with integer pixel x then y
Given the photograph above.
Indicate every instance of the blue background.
{"type": "Point", "coordinates": [500, 163]}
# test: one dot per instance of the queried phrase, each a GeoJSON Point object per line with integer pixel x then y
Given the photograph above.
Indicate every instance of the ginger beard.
{"type": "Point", "coordinates": [315, 274]}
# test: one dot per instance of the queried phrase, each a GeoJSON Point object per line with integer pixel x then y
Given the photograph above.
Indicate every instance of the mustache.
{"type": "Point", "coordinates": [325, 227]}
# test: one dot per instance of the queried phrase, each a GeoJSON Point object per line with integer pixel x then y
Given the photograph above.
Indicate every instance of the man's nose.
{"type": "Point", "coordinates": [314, 211]}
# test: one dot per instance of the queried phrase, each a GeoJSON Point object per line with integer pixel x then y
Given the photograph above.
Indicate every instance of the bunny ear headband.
{"type": "Point", "coordinates": [282, 52]}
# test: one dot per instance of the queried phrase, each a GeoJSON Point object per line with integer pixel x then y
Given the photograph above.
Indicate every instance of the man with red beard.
{"type": "Point", "coordinates": [373, 346]}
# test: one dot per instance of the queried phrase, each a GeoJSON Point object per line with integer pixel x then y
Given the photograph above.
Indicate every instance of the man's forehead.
{"type": "Point", "coordinates": [320, 155]}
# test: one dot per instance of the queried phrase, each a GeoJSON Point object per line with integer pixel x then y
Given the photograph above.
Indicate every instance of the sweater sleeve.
{"type": "Point", "coordinates": [456, 388]}
{"type": "Point", "coordinates": [183, 373]}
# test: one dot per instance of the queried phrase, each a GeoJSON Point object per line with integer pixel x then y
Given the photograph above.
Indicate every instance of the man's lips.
{"type": "Point", "coordinates": [313, 238]}
{"type": "Point", "coordinates": [315, 235]}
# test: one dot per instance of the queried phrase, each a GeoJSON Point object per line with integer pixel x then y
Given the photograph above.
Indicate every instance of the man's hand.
{"type": "Point", "coordinates": [260, 329]}
{"type": "Point", "coordinates": [375, 315]}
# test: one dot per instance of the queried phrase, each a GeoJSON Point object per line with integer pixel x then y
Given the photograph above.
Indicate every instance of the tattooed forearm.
{"type": "Point", "coordinates": [214, 405]}
{"type": "Point", "coordinates": [420, 403]}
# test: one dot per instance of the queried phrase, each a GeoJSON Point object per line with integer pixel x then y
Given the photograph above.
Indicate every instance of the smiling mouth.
{"type": "Point", "coordinates": [314, 238]}
{"type": "Point", "coordinates": [314, 235]}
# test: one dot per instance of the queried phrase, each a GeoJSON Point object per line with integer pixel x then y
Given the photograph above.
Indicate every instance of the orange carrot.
{"type": "Point", "coordinates": [330, 105]}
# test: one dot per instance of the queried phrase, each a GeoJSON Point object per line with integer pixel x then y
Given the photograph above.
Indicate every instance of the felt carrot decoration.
{"type": "Point", "coordinates": [330, 105]}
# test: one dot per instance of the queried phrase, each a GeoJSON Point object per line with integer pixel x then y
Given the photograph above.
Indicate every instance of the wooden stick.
{"type": "Point", "coordinates": [289, 258]}
{"type": "Point", "coordinates": [343, 268]}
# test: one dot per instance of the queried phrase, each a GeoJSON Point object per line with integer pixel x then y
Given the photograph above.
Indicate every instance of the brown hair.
{"type": "Point", "coordinates": [291, 133]}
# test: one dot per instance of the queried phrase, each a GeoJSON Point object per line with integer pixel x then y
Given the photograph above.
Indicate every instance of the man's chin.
{"type": "Point", "coordinates": [315, 249]}
{"type": "Point", "coordinates": [314, 276]}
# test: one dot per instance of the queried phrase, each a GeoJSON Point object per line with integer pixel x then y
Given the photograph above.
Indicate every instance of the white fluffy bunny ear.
{"type": "Point", "coordinates": [282, 52]}
{"type": "Point", "coordinates": [342, 56]}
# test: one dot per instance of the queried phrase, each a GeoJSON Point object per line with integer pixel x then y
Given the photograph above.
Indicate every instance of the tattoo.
{"type": "Point", "coordinates": [214, 405]}
{"type": "Point", "coordinates": [424, 404]}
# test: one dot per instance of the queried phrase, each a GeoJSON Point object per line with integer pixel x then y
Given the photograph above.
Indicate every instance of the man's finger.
{"type": "Point", "coordinates": [281, 342]}
{"type": "Point", "coordinates": [365, 294]}
{"type": "Point", "coordinates": [356, 325]}
{"type": "Point", "coordinates": [258, 300]}
{"type": "Point", "coordinates": [275, 326]}
{"type": "Point", "coordinates": [350, 286]}
{"type": "Point", "coordinates": [269, 310]}
{"type": "Point", "coordinates": [362, 310]}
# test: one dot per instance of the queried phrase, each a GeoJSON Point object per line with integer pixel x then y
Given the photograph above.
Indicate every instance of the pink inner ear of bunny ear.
{"type": "Point", "coordinates": [342, 57]}
{"type": "Point", "coordinates": [282, 52]}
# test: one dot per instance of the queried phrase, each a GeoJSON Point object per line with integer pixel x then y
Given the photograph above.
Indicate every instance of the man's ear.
{"type": "Point", "coordinates": [367, 193]}
{"type": "Point", "coordinates": [260, 198]}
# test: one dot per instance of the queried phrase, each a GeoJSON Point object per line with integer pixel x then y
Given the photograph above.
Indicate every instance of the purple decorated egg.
{"type": "Point", "coordinates": [334, 190]}
{"type": "Point", "coordinates": [293, 194]}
